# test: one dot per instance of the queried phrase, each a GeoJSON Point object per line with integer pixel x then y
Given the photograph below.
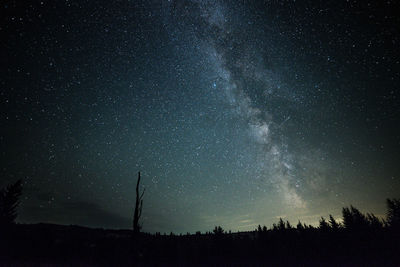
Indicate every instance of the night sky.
{"type": "Point", "coordinates": [236, 113]}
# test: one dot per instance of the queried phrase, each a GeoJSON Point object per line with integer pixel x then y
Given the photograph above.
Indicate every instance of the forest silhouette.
{"type": "Point", "coordinates": [356, 239]}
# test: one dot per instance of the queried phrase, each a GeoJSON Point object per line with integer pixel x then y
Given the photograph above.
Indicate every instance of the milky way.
{"type": "Point", "coordinates": [276, 161]}
{"type": "Point", "coordinates": [235, 113]}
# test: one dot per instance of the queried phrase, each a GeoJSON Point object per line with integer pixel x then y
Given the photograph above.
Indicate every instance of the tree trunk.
{"type": "Point", "coordinates": [138, 208]}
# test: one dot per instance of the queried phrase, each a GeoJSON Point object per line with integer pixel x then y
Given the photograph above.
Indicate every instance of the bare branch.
{"type": "Point", "coordinates": [141, 196]}
{"type": "Point", "coordinates": [140, 209]}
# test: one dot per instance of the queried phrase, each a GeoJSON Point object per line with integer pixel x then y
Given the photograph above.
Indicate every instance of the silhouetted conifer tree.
{"type": "Point", "coordinates": [300, 226]}
{"type": "Point", "coordinates": [323, 225]}
{"type": "Point", "coordinates": [9, 201]}
{"type": "Point", "coordinates": [393, 213]}
{"type": "Point", "coordinates": [354, 220]}
{"type": "Point", "coordinates": [281, 225]}
{"type": "Point", "coordinates": [218, 230]}
{"type": "Point", "coordinates": [374, 221]}
{"type": "Point", "coordinates": [347, 218]}
{"type": "Point", "coordinates": [333, 223]}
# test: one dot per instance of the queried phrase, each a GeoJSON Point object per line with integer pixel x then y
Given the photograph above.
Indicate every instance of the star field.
{"type": "Point", "coordinates": [235, 113]}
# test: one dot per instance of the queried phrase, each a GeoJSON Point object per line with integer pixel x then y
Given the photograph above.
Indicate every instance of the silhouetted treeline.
{"type": "Point", "coordinates": [355, 239]}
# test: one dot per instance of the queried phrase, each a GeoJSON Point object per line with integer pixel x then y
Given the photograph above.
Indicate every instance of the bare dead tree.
{"type": "Point", "coordinates": [138, 208]}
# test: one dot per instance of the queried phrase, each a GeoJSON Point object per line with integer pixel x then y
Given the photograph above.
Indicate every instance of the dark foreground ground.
{"type": "Point", "coordinates": [48, 245]}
